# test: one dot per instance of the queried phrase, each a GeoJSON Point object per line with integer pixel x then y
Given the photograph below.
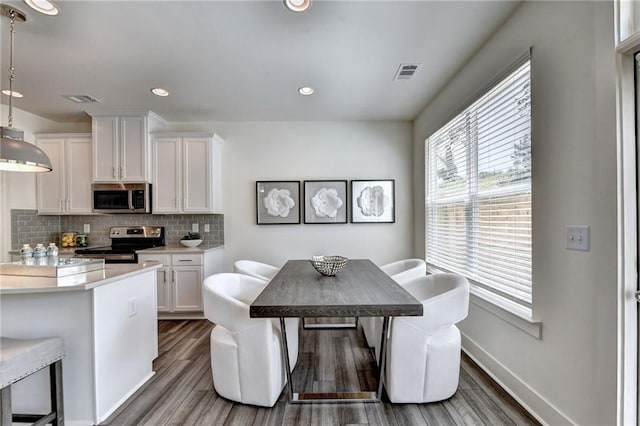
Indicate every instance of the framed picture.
{"type": "Point", "coordinates": [325, 201]}
{"type": "Point", "coordinates": [373, 201]}
{"type": "Point", "coordinates": [278, 202]}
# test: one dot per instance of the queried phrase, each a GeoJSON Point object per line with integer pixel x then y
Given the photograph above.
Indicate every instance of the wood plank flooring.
{"type": "Point", "coordinates": [181, 392]}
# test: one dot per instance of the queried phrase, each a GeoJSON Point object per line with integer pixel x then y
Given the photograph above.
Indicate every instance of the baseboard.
{"type": "Point", "coordinates": [541, 409]}
{"type": "Point", "coordinates": [180, 315]}
{"type": "Point", "coordinates": [133, 390]}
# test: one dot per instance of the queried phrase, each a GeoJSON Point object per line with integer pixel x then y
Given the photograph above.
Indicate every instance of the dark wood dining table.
{"type": "Point", "coordinates": [360, 289]}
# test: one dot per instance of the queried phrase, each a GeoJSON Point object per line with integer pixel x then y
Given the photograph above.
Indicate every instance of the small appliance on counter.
{"type": "Point", "coordinates": [125, 241]}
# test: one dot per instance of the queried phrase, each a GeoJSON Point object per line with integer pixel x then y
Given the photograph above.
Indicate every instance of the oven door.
{"type": "Point", "coordinates": [110, 258]}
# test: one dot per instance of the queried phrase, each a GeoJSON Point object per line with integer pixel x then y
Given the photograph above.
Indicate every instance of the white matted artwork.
{"type": "Point", "coordinates": [325, 201]}
{"type": "Point", "coordinates": [373, 201]}
{"type": "Point", "coordinates": [278, 202]}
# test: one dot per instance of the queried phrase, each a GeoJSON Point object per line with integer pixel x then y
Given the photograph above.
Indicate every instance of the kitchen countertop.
{"type": "Point", "coordinates": [14, 284]}
{"type": "Point", "coordinates": [179, 249]}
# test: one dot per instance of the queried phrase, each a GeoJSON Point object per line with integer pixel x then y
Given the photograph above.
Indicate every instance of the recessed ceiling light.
{"type": "Point", "coordinates": [297, 5]}
{"type": "Point", "coordinates": [12, 93]}
{"type": "Point", "coordinates": [306, 90]}
{"type": "Point", "coordinates": [43, 6]}
{"type": "Point", "coordinates": [159, 91]}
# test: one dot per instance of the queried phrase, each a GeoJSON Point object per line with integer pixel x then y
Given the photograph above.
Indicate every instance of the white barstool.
{"type": "Point", "coordinates": [20, 358]}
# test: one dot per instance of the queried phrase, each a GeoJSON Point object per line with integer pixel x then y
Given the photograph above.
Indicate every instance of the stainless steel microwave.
{"type": "Point", "coordinates": [121, 197]}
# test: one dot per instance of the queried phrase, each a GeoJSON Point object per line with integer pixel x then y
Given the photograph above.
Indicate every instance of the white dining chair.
{"type": "Point", "coordinates": [423, 353]}
{"type": "Point", "coordinates": [401, 271]}
{"type": "Point", "coordinates": [255, 269]}
{"type": "Point", "coordinates": [246, 353]}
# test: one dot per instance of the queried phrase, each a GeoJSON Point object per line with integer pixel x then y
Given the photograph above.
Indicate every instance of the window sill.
{"type": "Point", "coordinates": [523, 322]}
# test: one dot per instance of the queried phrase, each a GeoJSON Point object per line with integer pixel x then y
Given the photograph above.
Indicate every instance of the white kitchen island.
{"type": "Point", "coordinates": [108, 321]}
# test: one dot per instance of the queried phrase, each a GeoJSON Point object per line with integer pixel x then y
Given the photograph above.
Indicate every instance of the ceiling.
{"type": "Point", "coordinates": [243, 60]}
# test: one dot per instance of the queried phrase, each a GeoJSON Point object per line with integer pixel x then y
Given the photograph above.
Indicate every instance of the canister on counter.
{"type": "Point", "coordinates": [68, 239]}
{"type": "Point", "coordinates": [82, 240]}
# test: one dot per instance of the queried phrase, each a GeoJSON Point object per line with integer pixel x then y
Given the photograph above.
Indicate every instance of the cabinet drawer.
{"type": "Point", "coordinates": [186, 259]}
{"type": "Point", "coordinates": [165, 259]}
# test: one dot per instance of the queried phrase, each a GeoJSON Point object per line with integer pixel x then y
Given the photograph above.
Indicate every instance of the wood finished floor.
{"type": "Point", "coordinates": [181, 392]}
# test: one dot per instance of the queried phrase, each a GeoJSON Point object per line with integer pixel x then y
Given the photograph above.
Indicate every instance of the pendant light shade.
{"type": "Point", "coordinates": [16, 155]}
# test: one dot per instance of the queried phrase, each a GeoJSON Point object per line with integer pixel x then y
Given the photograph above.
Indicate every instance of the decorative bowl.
{"type": "Point", "coordinates": [190, 243]}
{"type": "Point", "coordinates": [328, 265]}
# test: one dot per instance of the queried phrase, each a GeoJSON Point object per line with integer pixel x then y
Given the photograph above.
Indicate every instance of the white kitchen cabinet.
{"type": "Point", "coordinates": [187, 288]}
{"type": "Point", "coordinates": [67, 188]}
{"type": "Point", "coordinates": [121, 146]}
{"type": "Point", "coordinates": [179, 281]}
{"type": "Point", "coordinates": [187, 173]}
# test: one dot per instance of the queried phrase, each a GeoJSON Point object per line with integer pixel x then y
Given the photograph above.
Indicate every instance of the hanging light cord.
{"type": "Point", "coordinates": [12, 71]}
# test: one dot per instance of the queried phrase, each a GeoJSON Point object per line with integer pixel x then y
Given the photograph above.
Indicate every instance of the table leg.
{"type": "Point", "coordinates": [287, 364]}
{"type": "Point", "coordinates": [330, 397]}
{"type": "Point", "coordinates": [383, 355]}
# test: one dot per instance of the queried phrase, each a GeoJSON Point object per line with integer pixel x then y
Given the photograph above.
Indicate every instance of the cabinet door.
{"type": "Point", "coordinates": [51, 186]}
{"type": "Point", "coordinates": [187, 288]}
{"type": "Point", "coordinates": [133, 149]}
{"type": "Point", "coordinates": [163, 294]}
{"type": "Point", "coordinates": [166, 175]}
{"type": "Point", "coordinates": [196, 175]}
{"type": "Point", "coordinates": [163, 281]}
{"type": "Point", "coordinates": [105, 149]}
{"type": "Point", "coordinates": [78, 169]}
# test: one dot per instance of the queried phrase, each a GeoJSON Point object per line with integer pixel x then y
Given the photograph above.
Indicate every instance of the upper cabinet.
{"type": "Point", "coordinates": [627, 26]}
{"type": "Point", "coordinates": [67, 188]}
{"type": "Point", "coordinates": [187, 175]}
{"type": "Point", "coordinates": [121, 146]}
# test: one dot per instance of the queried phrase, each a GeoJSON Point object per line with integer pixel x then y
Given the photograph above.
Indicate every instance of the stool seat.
{"type": "Point", "coordinates": [19, 357]}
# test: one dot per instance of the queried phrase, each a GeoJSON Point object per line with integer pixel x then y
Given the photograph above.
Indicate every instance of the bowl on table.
{"type": "Point", "coordinates": [328, 265]}
{"type": "Point", "coordinates": [190, 243]}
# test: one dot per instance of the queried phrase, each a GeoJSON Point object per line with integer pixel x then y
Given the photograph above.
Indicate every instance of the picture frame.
{"type": "Point", "coordinates": [373, 201]}
{"type": "Point", "coordinates": [325, 201]}
{"type": "Point", "coordinates": [278, 202]}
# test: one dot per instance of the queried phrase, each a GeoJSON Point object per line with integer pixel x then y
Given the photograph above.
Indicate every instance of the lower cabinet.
{"type": "Point", "coordinates": [180, 279]}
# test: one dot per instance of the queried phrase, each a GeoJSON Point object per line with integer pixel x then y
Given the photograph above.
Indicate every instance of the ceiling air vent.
{"type": "Point", "coordinates": [82, 99]}
{"type": "Point", "coordinates": [406, 71]}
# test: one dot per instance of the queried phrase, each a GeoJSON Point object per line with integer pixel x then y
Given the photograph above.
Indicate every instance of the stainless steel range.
{"type": "Point", "coordinates": [125, 240]}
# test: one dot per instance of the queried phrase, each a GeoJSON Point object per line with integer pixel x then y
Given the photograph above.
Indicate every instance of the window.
{"type": "Point", "coordinates": [478, 193]}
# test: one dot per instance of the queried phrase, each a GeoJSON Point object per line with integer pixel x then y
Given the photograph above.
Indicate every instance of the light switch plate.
{"type": "Point", "coordinates": [206, 227]}
{"type": "Point", "coordinates": [86, 228]}
{"type": "Point", "coordinates": [195, 227]}
{"type": "Point", "coordinates": [577, 238]}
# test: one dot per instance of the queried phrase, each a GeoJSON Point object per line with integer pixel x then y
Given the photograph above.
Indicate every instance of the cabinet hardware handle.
{"type": "Point", "coordinates": [114, 172]}
{"type": "Point", "coordinates": [165, 275]}
{"type": "Point", "coordinates": [185, 260]}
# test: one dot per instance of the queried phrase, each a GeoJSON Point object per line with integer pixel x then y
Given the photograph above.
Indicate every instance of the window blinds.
{"type": "Point", "coordinates": [478, 193]}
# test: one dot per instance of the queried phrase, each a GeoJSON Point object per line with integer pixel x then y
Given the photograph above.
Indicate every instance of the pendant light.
{"type": "Point", "coordinates": [16, 154]}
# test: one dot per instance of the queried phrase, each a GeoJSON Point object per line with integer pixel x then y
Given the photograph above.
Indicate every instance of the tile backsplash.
{"type": "Point", "coordinates": [28, 227]}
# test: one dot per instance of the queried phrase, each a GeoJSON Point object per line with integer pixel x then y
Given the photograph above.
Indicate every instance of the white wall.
{"type": "Point", "coordinates": [312, 150]}
{"type": "Point", "coordinates": [569, 375]}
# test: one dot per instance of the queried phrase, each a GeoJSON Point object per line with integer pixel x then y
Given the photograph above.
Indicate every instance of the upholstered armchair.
{"type": "Point", "coordinates": [401, 271]}
{"type": "Point", "coordinates": [255, 269]}
{"type": "Point", "coordinates": [246, 353]}
{"type": "Point", "coordinates": [423, 353]}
